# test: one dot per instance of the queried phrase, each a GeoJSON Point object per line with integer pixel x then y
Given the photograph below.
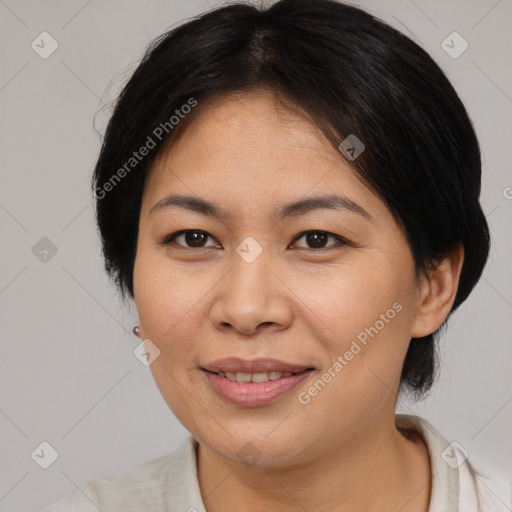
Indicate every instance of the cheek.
{"type": "Point", "coordinates": [168, 295]}
{"type": "Point", "coordinates": [168, 302]}
{"type": "Point", "coordinates": [361, 319]}
{"type": "Point", "coordinates": [349, 300]}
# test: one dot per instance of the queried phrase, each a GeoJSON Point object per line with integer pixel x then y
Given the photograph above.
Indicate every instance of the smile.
{"type": "Point", "coordinates": [254, 389]}
{"type": "Point", "coordinates": [254, 377]}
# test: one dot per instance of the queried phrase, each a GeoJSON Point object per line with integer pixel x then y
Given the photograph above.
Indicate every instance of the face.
{"type": "Point", "coordinates": [326, 290]}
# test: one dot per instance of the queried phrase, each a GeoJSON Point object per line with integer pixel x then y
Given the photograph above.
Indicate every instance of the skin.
{"type": "Point", "coordinates": [341, 451]}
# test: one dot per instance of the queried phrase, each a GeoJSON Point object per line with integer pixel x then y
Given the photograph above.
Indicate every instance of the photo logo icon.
{"type": "Point", "coordinates": [146, 352]}
{"type": "Point", "coordinates": [454, 455]}
{"type": "Point", "coordinates": [352, 147]}
{"type": "Point", "coordinates": [44, 45]}
{"type": "Point", "coordinates": [44, 455]}
{"type": "Point", "coordinates": [454, 45]}
{"type": "Point", "coordinates": [249, 250]}
{"type": "Point", "coordinates": [249, 454]}
{"type": "Point", "coordinates": [44, 250]}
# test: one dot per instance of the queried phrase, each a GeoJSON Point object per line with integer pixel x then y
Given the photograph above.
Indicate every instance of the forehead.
{"type": "Point", "coordinates": [250, 149]}
{"type": "Point", "coordinates": [242, 124]}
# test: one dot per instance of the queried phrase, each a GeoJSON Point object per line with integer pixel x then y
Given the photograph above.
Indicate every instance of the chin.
{"type": "Point", "coordinates": [255, 447]}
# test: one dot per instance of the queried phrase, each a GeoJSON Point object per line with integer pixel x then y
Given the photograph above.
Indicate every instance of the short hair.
{"type": "Point", "coordinates": [353, 74]}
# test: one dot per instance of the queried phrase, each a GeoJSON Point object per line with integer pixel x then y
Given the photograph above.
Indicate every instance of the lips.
{"type": "Point", "coordinates": [254, 383]}
{"type": "Point", "coordinates": [254, 377]}
{"type": "Point", "coordinates": [253, 394]}
{"type": "Point", "coordinates": [237, 365]}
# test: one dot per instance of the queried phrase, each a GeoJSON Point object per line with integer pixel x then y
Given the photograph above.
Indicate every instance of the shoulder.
{"type": "Point", "coordinates": [141, 488]}
{"type": "Point", "coordinates": [456, 484]}
{"type": "Point", "coordinates": [493, 495]}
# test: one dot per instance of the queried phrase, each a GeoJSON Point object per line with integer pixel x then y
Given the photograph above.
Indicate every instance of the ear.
{"type": "Point", "coordinates": [438, 291]}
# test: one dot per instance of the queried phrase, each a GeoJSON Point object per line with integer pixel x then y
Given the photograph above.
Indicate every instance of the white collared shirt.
{"type": "Point", "coordinates": [170, 484]}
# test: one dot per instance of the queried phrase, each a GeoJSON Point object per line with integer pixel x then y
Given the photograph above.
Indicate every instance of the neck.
{"type": "Point", "coordinates": [379, 469]}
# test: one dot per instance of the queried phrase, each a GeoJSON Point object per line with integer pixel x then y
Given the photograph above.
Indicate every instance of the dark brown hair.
{"type": "Point", "coordinates": [353, 74]}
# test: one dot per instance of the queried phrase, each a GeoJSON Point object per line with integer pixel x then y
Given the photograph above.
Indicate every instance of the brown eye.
{"type": "Point", "coordinates": [196, 239]}
{"type": "Point", "coordinates": [189, 238]}
{"type": "Point", "coordinates": [319, 239]}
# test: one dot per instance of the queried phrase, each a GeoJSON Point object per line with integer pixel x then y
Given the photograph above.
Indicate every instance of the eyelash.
{"type": "Point", "coordinates": [170, 238]}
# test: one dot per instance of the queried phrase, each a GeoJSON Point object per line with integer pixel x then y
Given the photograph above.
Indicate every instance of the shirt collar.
{"type": "Point", "coordinates": [447, 461]}
{"type": "Point", "coordinates": [443, 463]}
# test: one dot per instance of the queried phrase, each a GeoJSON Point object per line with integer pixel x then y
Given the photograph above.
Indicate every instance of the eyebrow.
{"type": "Point", "coordinates": [300, 207]}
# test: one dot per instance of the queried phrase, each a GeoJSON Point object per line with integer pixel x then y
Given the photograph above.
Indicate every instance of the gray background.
{"type": "Point", "coordinates": [68, 375]}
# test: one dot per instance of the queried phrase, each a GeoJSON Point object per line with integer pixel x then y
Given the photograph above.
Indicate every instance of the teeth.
{"type": "Point", "coordinates": [254, 377]}
{"type": "Point", "coordinates": [243, 377]}
{"type": "Point", "coordinates": [260, 377]}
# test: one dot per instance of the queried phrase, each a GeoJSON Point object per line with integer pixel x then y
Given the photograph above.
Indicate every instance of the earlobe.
{"type": "Point", "coordinates": [438, 291]}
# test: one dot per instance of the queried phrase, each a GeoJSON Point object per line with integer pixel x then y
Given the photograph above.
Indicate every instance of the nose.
{"type": "Point", "coordinates": [252, 298]}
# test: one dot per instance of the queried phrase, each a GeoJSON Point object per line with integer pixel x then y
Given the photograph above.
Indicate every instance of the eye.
{"type": "Point", "coordinates": [192, 238]}
{"type": "Point", "coordinates": [195, 239]}
{"type": "Point", "coordinates": [318, 239]}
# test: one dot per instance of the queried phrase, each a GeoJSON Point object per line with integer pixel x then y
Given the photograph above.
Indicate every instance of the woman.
{"type": "Point", "coordinates": [291, 197]}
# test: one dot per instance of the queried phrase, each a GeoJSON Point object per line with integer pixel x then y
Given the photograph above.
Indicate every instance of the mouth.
{"type": "Point", "coordinates": [254, 366]}
{"type": "Point", "coordinates": [256, 377]}
{"type": "Point", "coordinates": [254, 383]}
